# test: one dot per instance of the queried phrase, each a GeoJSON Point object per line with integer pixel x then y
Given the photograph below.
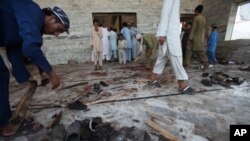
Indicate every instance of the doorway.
{"type": "Point", "coordinates": [115, 20]}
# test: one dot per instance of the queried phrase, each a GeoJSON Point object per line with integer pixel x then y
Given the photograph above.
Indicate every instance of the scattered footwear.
{"type": "Point", "coordinates": [154, 84]}
{"type": "Point", "coordinates": [77, 105]}
{"type": "Point", "coordinates": [245, 68]}
{"type": "Point", "coordinates": [104, 84]}
{"type": "Point", "coordinates": [205, 74]}
{"type": "Point", "coordinates": [206, 82]}
{"type": "Point", "coordinates": [238, 80]}
{"type": "Point", "coordinates": [97, 87]}
{"type": "Point", "coordinates": [188, 90]}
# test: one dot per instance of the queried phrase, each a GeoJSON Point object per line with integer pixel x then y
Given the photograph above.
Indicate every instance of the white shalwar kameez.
{"type": "Point", "coordinates": [105, 41]}
{"type": "Point", "coordinates": [169, 27]}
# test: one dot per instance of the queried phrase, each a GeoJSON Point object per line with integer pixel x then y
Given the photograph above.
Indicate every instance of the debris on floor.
{"type": "Point", "coordinates": [113, 103]}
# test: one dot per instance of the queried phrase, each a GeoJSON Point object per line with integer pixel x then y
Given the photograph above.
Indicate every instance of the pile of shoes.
{"type": "Point", "coordinates": [246, 68]}
{"type": "Point", "coordinates": [222, 79]}
{"type": "Point", "coordinates": [94, 129]}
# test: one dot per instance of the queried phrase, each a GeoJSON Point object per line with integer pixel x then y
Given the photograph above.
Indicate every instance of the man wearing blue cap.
{"type": "Point", "coordinates": [22, 26]}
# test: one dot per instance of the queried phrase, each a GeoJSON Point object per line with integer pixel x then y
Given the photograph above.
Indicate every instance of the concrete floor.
{"type": "Point", "coordinates": [200, 117]}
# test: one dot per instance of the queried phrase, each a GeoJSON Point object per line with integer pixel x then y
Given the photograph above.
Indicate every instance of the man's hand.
{"type": "Point", "coordinates": [162, 39]}
{"type": "Point", "coordinates": [55, 80]}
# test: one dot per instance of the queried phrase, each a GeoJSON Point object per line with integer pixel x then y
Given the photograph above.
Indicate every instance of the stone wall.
{"type": "Point", "coordinates": [76, 44]}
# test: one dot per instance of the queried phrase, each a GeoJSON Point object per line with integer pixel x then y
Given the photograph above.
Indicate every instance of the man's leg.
{"type": "Point", "coordinates": [129, 54]}
{"type": "Point", "coordinates": [96, 58]}
{"type": "Point", "coordinates": [99, 55]}
{"type": "Point", "coordinates": [124, 56]}
{"type": "Point", "coordinates": [19, 70]}
{"type": "Point", "coordinates": [159, 66]}
{"type": "Point", "coordinates": [179, 71]}
{"type": "Point", "coordinates": [5, 112]}
{"type": "Point", "coordinates": [115, 54]}
{"type": "Point", "coordinates": [203, 57]}
{"type": "Point", "coordinates": [187, 58]}
{"type": "Point", "coordinates": [120, 56]}
{"type": "Point", "coordinates": [210, 56]}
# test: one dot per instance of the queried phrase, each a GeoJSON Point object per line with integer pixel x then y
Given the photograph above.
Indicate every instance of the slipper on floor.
{"type": "Point", "coordinates": [188, 90]}
{"type": "Point", "coordinates": [104, 84]}
{"type": "Point", "coordinates": [238, 80]}
{"type": "Point", "coordinates": [205, 74]}
{"type": "Point", "coordinates": [206, 82]}
{"type": "Point", "coordinates": [154, 84]}
{"type": "Point", "coordinates": [245, 68]}
{"type": "Point", "coordinates": [77, 105]}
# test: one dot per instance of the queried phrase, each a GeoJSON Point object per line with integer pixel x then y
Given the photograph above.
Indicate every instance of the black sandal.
{"type": "Point", "coordinates": [77, 105]}
{"type": "Point", "coordinates": [206, 82]}
{"type": "Point", "coordinates": [188, 90]}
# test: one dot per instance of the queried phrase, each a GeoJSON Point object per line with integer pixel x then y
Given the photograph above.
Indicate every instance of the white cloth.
{"type": "Point", "coordinates": [141, 45]}
{"type": "Point", "coordinates": [5, 58]}
{"type": "Point", "coordinates": [122, 45]}
{"type": "Point", "coordinates": [135, 48]}
{"type": "Point", "coordinates": [176, 63]}
{"type": "Point", "coordinates": [113, 44]}
{"type": "Point", "coordinates": [97, 58]}
{"type": "Point", "coordinates": [113, 40]}
{"type": "Point", "coordinates": [169, 26]}
{"type": "Point", "coordinates": [105, 41]}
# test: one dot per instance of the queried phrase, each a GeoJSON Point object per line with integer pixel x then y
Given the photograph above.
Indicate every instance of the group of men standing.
{"type": "Point", "coordinates": [107, 38]}
{"type": "Point", "coordinates": [199, 41]}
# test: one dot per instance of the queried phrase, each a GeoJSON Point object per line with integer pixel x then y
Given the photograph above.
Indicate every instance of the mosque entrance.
{"type": "Point", "coordinates": [115, 20]}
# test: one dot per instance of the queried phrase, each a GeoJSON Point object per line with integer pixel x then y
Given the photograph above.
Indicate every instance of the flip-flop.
{"type": "Point", "coordinates": [205, 74]}
{"type": "Point", "coordinates": [188, 90]}
{"type": "Point", "coordinates": [154, 84]}
{"type": "Point", "coordinates": [245, 68]}
{"type": "Point", "coordinates": [104, 84]}
{"type": "Point", "coordinates": [206, 82]}
{"type": "Point", "coordinates": [77, 105]}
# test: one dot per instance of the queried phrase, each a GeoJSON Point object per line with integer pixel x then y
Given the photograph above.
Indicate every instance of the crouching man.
{"type": "Point", "coordinates": [22, 26]}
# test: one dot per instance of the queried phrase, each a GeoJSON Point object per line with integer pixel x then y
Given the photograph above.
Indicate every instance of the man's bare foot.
{"type": "Point", "coordinates": [8, 130]}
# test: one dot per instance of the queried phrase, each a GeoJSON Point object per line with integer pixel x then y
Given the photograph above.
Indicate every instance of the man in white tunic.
{"type": "Point", "coordinates": [113, 43]}
{"type": "Point", "coordinates": [170, 45]}
{"type": "Point", "coordinates": [105, 42]}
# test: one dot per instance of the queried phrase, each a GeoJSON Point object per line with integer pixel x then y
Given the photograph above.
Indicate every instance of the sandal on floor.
{"type": "Point", "coordinates": [77, 105]}
{"type": "Point", "coordinates": [154, 84]}
{"type": "Point", "coordinates": [188, 90]}
{"type": "Point", "coordinates": [206, 82]}
{"type": "Point", "coordinates": [245, 68]}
